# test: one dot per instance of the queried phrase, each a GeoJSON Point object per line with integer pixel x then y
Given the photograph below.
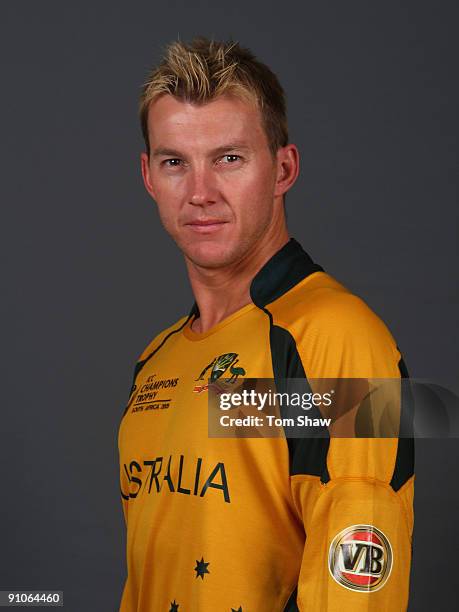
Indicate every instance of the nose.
{"type": "Point", "coordinates": [202, 188]}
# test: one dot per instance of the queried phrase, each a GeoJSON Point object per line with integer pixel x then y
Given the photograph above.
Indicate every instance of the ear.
{"type": "Point", "coordinates": [146, 174]}
{"type": "Point", "coordinates": [288, 166]}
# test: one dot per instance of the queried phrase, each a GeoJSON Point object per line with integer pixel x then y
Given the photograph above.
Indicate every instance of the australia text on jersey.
{"type": "Point", "coordinates": [188, 477]}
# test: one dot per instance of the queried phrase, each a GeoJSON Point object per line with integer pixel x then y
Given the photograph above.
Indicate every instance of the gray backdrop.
{"type": "Point", "coordinates": [90, 278]}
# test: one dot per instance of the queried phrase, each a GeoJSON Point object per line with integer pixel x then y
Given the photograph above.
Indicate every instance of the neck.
{"type": "Point", "coordinates": [221, 292]}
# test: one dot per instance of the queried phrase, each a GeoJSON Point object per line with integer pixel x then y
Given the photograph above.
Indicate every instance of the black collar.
{"type": "Point", "coordinates": [285, 269]}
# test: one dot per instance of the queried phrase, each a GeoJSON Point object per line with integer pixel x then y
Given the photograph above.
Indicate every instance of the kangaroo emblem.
{"type": "Point", "coordinates": [219, 365]}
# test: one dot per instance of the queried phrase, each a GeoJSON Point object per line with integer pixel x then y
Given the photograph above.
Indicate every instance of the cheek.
{"type": "Point", "coordinates": [163, 186]}
{"type": "Point", "coordinates": [257, 190]}
{"type": "Point", "coordinates": [250, 185]}
{"type": "Point", "coordinates": [264, 179]}
{"type": "Point", "coordinates": [168, 215]}
{"type": "Point", "coordinates": [167, 196]}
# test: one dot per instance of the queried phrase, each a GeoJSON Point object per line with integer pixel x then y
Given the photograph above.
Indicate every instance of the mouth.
{"type": "Point", "coordinates": [206, 225]}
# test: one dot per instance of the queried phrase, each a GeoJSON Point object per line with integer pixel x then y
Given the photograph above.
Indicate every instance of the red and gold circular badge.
{"type": "Point", "coordinates": [360, 558]}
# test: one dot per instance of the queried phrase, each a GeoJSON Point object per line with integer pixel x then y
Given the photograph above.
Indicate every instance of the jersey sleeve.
{"type": "Point", "coordinates": [359, 519]}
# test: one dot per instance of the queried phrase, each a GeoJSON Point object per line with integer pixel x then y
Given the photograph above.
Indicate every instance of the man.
{"type": "Point", "coordinates": [250, 524]}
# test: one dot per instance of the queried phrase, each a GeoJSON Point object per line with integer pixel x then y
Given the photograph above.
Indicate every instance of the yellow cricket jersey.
{"type": "Point", "coordinates": [264, 524]}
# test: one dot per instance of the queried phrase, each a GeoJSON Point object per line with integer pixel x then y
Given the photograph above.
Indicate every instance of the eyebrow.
{"type": "Point", "coordinates": [231, 146]}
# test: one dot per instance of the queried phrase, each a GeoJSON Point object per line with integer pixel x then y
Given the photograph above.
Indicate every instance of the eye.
{"type": "Point", "coordinates": [231, 158]}
{"type": "Point", "coordinates": [171, 163]}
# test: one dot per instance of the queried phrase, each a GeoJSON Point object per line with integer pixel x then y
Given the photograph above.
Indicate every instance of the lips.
{"type": "Point", "coordinates": [206, 226]}
{"type": "Point", "coordinates": [204, 222]}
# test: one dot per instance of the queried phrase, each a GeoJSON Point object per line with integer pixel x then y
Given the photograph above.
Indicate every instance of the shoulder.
{"type": "Point", "coordinates": [320, 301]}
{"type": "Point", "coordinates": [335, 329]}
{"type": "Point", "coordinates": [156, 342]}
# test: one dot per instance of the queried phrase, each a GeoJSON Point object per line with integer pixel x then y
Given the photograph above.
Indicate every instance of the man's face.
{"type": "Point", "coordinates": [212, 176]}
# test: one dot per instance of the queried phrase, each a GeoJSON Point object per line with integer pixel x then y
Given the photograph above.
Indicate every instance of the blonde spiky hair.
{"type": "Point", "coordinates": [204, 69]}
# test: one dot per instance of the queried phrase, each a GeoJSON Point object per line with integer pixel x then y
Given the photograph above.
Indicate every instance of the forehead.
{"type": "Point", "coordinates": [227, 118]}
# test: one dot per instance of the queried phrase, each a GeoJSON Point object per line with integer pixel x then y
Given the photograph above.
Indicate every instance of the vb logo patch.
{"type": "Point", "coordinates": [360, 558]}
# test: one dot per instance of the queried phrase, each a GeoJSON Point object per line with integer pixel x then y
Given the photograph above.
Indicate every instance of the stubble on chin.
{"type": "Point", "coordinates": [210, 258]}
{"type": "Point", "coordinates": [218, 255]}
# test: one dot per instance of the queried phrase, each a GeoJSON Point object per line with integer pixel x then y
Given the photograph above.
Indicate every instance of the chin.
{"type": "Point", "coordinates": [210, 254]}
